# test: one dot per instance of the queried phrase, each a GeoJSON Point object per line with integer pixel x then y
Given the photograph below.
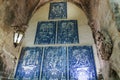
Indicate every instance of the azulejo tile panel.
{"type": "Point", "coordinates": [29, 64]}
{"type": "Point", "coordinates": [81, 63]}
{"type": "Point", "coordinates": [54, 65]}
{"type": "Point", "coordinates": [67, 32]}
{"type": "Point", "coordinates": [46, 32]}
{"type": "Point", "coordinates": [58, 10]}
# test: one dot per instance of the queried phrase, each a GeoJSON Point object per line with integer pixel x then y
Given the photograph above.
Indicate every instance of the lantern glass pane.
{"type": "Point", "coordinates": [20, 38]}
{"type": "Point", "coordinates": [15, 37]}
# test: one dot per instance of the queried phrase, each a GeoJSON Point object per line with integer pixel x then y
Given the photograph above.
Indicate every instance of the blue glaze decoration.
{"type": "Point", "coordinates": [29, 64]}
{"type": "Point", "coordinates": [67, 32]}
{"type": "Point", "coordinates": [54, 64]}
{"type": "Point", "coordinates": [46, 32]}
{"type": "Point", "coordinates": [58, 10]}
{"type": "Point", "coordinates": [81, 63]}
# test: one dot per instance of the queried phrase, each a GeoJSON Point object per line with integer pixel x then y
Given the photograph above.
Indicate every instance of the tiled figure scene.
{"type": "Point", "coordinates": [29, 64]}
{"type": "Point", "coordinates": [81, 63]}
{"type": "Point", "coordinates": [58, 10]}
{"type": "Point", "coordinates": [67, 32]}
{"type": "Point", "coordinates": [46, 32]}
{"type": "Point", "coordinates": [57, 32]}
{"type": "Point", "coordinates": [56, 63]}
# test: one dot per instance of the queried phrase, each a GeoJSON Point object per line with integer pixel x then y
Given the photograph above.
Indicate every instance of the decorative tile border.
{"type": "Point", "coordinates": [58, 10]}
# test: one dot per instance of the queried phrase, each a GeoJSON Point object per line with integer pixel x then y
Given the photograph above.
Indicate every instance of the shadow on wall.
{"type": "Point", "coordinates": [2, 68]}
{"type": "Point", "coordinates": [114, 75]}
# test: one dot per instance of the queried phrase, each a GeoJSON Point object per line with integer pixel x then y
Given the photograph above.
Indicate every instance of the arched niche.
{"type": "Point", "coordinates": [73, 13]}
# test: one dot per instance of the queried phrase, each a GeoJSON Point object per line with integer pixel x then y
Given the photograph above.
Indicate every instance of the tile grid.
{"type": "Point", "coordinates": [77, 31]}
{"type": "Point", "coordinates": [68, 58]}
{"type": "Point", "coordinates": [67, 63]}
{"type": "Point", "coordinates": [56, 32]}
{"type": "Point", "coordinates": [60, 34]}
{"type": "Point", "coordinates": [41, 64]}
{"type": "Point", "coordinates": [92, 56]}
{"type": "Point", "coordinates": [58, 11]}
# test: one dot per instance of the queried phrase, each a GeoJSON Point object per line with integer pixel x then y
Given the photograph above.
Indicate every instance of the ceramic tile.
{"type": "Point", "coordinates": [58, 10]}
{"type": "Point", "coordinates": [54, 65]}
{"type": "Point", "coordinates": [67, 32]}
{"type": "Point", "coordinates": [46, 32]}
{"type": "Point", "coordinates": [29, 64]}
{"type": "Point", "coordinates": [81, 63]}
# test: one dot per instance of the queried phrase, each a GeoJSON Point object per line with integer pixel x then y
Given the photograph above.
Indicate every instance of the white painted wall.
{"type": "Point", "coordinates": [74, 13]}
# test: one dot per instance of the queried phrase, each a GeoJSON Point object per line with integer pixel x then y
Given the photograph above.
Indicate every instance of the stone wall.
{"type": "Point", "coordinates": [115, 6]}
{"type": "Point", "coordinates": [107, 23]}
{"type": "Point", "coordinates": [8, 53]}
{"type": "Point", "coordinates": [100, 18]}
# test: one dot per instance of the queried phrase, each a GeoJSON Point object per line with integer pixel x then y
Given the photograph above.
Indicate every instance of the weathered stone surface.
{"type": "Point", "coordinates": [106, 45]}
{"type": "Point", "coordinates": [107, 22]}
{"type": "Point", "coordinates": [18, 13]}
{"type": "Point", "coordinates": [119, 45]}
{"type": "Point", "coordinates": [7, 53]}
{"type": "Point", "coordinates": [115, 5]}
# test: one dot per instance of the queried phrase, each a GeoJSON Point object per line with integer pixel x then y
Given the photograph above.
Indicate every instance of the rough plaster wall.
{"type": "Point", "coordinates": [115, 5]}
{"type": "Point", "coordinates": [98, 12]}
{"type": "Point", "coordinates": [7, 51]}
{"type": "Point", "coordinates": [12, 13]}
{"type": "Point", "coordinates": [107, 23]}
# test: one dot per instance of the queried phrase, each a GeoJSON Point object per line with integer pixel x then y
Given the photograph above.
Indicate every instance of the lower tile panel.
{"type": "Point", "coordinates": [29, 64]}
{"type": "Point", "coordinates": [56, 63]}
{"type": "Point", "coordinates": [81, 63]}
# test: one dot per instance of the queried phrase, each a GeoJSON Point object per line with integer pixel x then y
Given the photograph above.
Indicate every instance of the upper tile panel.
{"type": "Point", "coordinates": [67, 32]}
{"type": "Point", "coordinates": [58, 10]}
{"type": "Point", "coordinates": [46, 32]}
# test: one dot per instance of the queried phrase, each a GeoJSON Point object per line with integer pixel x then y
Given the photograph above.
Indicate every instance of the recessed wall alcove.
{"type": "Point", "coordinates": [73, 13]}
{"type": "Point", "coordinates": [85, 38]}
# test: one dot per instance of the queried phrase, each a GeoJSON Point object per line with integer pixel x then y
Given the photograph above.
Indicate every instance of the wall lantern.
{"type": "Point", "coordinates": [17, 38]}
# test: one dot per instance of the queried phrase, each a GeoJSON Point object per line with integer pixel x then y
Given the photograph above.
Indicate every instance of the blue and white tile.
{"type": "Point", "coordinates": [54, 64]}
{"type": "Point", "coordinates": [67, 32]}
{"type": "Point", "coordinates": [58, 10]}
{"type": "Point", "coordinates": [46, 32]}
{"type": "Point", "coordinates": [81, 63]}
{"type": "Point", "coordinates": [29, 64]}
